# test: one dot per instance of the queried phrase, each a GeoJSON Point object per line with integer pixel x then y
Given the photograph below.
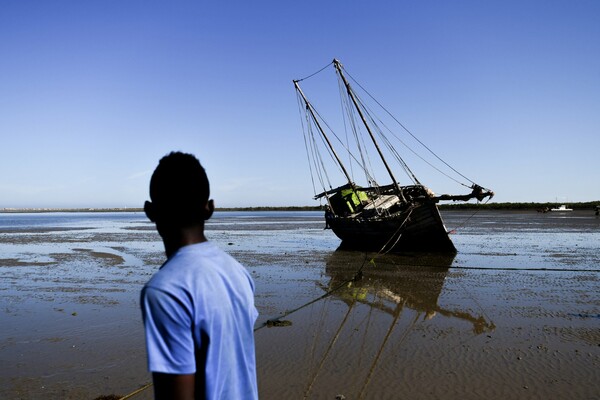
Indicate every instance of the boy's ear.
{"type": "Point", "coordinates": [209, 209]}
{"type": "Point", "coordinates": [149, 210]}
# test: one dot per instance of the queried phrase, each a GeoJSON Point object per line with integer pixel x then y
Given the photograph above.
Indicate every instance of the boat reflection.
{"type": "Point", "coordinates": [393, 281]}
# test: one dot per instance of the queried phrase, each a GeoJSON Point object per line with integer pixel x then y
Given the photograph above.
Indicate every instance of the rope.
{"type": "Point", "coordinates": [359, 138]}
{"type": "Point", "coordinates": [313, 74]}
{"type": "Point", "coordinates": [527, 269]}
{"type": "Point", "coordinates": [395, 233]}
{"type": "Point", "coordinates": [343, 284]}
{"type": "Point", "coordinates": [468, 219]}
{"type": "Point", "coordinates": [136, 392]}
{"type": "Point", "coordinates": [304, 130]}
{"type": "Point", "coordinates": [357, 275]}
{"type": "Point", "coordinates": [369, 114]}
{"type": "Point", "coordinates": [406, 129]}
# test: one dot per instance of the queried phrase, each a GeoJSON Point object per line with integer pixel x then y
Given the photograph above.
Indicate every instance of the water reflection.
{"type": "Point", "coordinates": [393, 281]}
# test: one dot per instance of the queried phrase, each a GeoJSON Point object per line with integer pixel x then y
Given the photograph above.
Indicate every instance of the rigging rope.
{"type": "Point", "coordinates": [406, 129]}
{"type": "Point", "coordinates": [320, 169]}
{"type": "Point", "coordinates": [339, 140]}
{"type": "Point", "coordinates": [386, 141]}
{"type": "Point", "coordinates": [313, 74]}
{"type": "Point", "coordinates": [346, 132]}
{"type": "Point", "coordinates": [358, 138]}
{"type": "Point", "coordinates": [304, 130]}
{"type": "Point", "coordinates": [312, 149]}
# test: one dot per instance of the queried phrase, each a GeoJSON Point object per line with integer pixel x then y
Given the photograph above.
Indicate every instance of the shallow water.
{"type": "Point", "coordinates": [516, 313]}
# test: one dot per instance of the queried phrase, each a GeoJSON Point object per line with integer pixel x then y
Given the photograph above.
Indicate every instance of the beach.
{"type": "Point", "coordinates": [514, 314]}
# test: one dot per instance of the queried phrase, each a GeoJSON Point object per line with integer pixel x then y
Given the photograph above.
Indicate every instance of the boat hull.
{"type": "Point", "coordinates": [419, 229]}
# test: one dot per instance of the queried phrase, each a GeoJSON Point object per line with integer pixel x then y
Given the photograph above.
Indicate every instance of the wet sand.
{"type": "Point", "coordinates": [515, 314]}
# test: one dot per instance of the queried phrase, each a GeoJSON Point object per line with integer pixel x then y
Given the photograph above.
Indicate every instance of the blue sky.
{"type": "Point", "coordinates": [93, 93]}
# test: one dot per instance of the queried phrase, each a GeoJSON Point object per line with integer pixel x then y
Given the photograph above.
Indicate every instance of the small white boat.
{"type": "Point", "coordinates": [562, 207]}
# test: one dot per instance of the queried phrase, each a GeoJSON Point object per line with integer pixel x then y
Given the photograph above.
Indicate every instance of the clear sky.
{"type": "Point", "coordinates": [93, 93]}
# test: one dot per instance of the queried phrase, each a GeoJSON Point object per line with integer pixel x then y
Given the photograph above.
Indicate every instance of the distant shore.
{"type": "Point", "coordinates": [125, 209]}
{"type": "Point", "coordinates": [55, 210]}
{"type": "Point", "coordinates": [590, 205]}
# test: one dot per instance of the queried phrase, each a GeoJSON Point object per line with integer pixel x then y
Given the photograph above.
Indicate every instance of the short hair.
{"type": "Point", "coordinates": [179, 189]}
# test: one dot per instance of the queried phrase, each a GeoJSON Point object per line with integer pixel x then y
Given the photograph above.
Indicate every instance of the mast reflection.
{"type": "Point", "coordinates": [391, 282]}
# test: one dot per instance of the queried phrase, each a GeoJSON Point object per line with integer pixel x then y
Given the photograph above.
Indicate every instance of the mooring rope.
{"type": "Point", "coordinates": [357, 275]}
{"type": "Point", "coordinates": [381, 251]}
{"type": "Point", "coordinates": [460, 226]}
{"type": "Point", "coordinates": [328, 293]}
{"type": "Point", "coordinates": [136, 392]}
{"type": "Point", "coordinates": [527, 269]}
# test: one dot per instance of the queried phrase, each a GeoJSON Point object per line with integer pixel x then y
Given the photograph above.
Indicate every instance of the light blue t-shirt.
{"type": "Point", "coordinates": [199, 309]}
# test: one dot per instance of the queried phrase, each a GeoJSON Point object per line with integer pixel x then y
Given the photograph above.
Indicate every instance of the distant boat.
{"type": "Point", "coordinates": [561, 208]}
{"type": "Point", "coordinates": [373, 216]}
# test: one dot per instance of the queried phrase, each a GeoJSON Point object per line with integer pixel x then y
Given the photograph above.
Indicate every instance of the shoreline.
{"type": "Point", "coordinates": [589, 205]}
{"type": "Point", "coordinates": [10, 210]}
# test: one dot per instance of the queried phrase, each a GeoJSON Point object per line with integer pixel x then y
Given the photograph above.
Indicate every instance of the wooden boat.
{"type": "Point", "coordinates": [391, 217]}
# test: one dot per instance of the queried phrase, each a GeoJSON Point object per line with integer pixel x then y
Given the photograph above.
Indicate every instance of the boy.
{"type": "Point", "coordinates": [198, 309]}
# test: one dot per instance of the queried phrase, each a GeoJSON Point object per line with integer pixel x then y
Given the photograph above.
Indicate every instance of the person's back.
{"type": "Point", "coordinates": [198, 309]}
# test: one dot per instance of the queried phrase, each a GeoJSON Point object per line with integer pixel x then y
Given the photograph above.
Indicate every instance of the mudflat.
{"type": "Point", "coordinates": [515, 314]}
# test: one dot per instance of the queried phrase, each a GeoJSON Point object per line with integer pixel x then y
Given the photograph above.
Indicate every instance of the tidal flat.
{"type": "Point", "coordinates": [514, 314]}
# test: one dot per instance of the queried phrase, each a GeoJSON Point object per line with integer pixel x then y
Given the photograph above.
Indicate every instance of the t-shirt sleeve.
{"type": "Point", "coordinates": [168, 328]}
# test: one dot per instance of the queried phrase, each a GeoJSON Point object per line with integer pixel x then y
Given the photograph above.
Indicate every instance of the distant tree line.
{"type": "Point", "coordinates": [590, 205]}
{"type": "Point", "coordinates": [289, 208]}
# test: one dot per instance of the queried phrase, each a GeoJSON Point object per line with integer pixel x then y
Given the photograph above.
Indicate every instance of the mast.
{"type": "Point", "coordinates": [312, 114]}
{"type": "Point", "coordinates": [338, 67]}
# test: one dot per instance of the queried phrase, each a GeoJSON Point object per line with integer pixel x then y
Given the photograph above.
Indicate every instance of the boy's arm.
{"type": "Point", "coordinates": [174, 386]}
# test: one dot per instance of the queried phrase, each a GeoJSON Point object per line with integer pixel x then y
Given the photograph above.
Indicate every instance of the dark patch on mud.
{"type": "Point", "coordinates": [15, 262]}
{"type": "Point", "coordinates": [139, 228]}
{"type": "Point", "coordinates": [112, 259]}
{"type": "Point", "coordinates": [42, 229]}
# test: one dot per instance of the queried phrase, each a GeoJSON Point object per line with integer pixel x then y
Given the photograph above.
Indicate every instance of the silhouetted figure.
{"type": "Point", "coordinates": [198, 308]}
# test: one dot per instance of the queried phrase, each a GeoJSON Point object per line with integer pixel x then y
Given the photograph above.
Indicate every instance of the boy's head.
{"type": "Point", "coordinates": [179, 191]}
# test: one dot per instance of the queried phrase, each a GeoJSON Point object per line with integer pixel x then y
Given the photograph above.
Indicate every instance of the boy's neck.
{"type": "Point", "coordinates": [173, 241]}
